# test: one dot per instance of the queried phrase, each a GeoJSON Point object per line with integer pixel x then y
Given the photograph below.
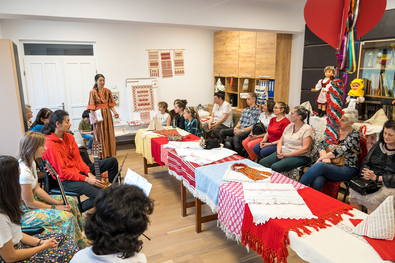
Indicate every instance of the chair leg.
{"type": "Point", "coordinates": [346, 192]}
{"type": "Point", "coordinates": [79, 204]}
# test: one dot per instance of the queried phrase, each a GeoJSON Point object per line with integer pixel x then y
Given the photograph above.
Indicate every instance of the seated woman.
{"type": "Point", "coordinates": [114, 227]}
{"type": "Point", "coordinates": [163, 115]}
{"type": "Point", "coordinates": [192, 122]}
{"type": "Point", "coordinates": [268, 144]}
{"type": "Point", "coordinates": [254, 139]}
{"type": "Point", "coordinates": [378, 166]}
{"type": "Point", "coordinates": [221, 117]}
{"type": "Point", "coordinates": [294, 146]}
{"type": "Point", "coordinates": [15, 245]}
{"type": "Point", "coordinates": [323, 170]}
{"type": "Point", "coordinates": [42, 117]}
{"type": "Point", "coordinates": [40, 209]}
{"type": "Point", "coordinates": [178, 119]}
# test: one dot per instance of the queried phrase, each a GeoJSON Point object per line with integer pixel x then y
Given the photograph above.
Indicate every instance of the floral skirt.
{"type": "Point", "coordinates": [65, 251]}
{"type": "Point", "coordinates": [56, 221]}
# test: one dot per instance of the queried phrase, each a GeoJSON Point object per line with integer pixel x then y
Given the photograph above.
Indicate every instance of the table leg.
{"type": "Point", "coordinates": [145, 165]}
{"type": "Point", "coordinates": [183, 200]}
{"type": "Point", "coordinates": [198, 216]}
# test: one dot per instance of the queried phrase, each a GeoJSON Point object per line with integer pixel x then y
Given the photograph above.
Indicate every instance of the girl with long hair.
{"type": "Point", "coordinates": [15, 245]}
{"type": "Point", "coordinates": [41, 209]}
{"type": "Point", "coordinates": [163, 115]}
{"type": "Point", "coordinates": [192, 122]}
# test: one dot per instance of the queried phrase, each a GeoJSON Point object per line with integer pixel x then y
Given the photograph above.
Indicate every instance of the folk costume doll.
{"type": "Point", "coordinates": [356, 94]}
{"type": "Point", "coordinates": [324, 85]}
{"type": "Point", "coordinates": [102, 98]}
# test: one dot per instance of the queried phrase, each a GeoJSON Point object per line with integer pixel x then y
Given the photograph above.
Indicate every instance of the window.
{"type": "Point", "coordinates": [58, 49]}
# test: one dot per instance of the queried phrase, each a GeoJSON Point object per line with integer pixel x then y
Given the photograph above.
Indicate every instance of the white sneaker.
{"type": "Point", "coordinates": [89, 151]}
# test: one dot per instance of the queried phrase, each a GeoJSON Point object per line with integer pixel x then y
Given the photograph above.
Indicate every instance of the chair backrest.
{"type": "Point", "coordinates": [50, 182]}
{"type": "Point", "coordinates": [363, 144]}
{"type": "Point", "coordinates": [314, 153]}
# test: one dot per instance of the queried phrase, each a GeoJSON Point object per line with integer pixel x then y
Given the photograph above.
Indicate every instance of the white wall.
{"type": "Point", "coordinates": [121, 53]}
{"type": "Point", "coordinates": [295, 80]}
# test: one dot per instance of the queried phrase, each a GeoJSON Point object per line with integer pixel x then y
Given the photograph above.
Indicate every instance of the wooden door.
{"type": "Point", "coordinates": [265, 55]}
{"type": "Point", "coordinates": [219, 53]}
{"type": "Point", "coordinates": [247, 48]}
{"type": "Point", "coordinates": [232, 53]}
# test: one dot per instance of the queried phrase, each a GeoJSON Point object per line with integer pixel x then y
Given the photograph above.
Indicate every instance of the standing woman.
{"type": "Point", "coordinates": [101, 98]}
{"type": "Point", "coordinates": [41, 209]}
{"type": "Point", "coordinates": [178, 120]}
{"type": "Point", "coordinates": [15, 245]}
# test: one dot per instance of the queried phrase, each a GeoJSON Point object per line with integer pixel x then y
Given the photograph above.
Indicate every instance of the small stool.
{"type": "Point", "coordinates": [85, 142]}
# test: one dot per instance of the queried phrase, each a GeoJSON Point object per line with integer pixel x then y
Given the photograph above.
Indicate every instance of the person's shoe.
{"type": "Point", "coordinates": [228, 145]}
{"type": "Point", "coordinates": [89, 151]}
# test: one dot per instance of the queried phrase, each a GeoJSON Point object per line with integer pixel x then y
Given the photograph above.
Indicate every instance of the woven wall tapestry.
{"type": "Point", "coordinates": [153, 58]}
{"type": "Point", "coordinates": [178, 62]}
{"type": "Point", "coordinates": [167, 71]}
{"type": "Point", "coordinates": [143, 98]}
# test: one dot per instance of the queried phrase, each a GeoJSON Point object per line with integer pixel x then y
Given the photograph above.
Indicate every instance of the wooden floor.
{"type": "Point", "coordinates": [173, 237]}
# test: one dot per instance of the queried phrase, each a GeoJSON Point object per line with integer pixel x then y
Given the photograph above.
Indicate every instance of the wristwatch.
{"type": "Point", "coordinates": [242, 130]}
{"type": "Point", "coordinates": [377, 179]}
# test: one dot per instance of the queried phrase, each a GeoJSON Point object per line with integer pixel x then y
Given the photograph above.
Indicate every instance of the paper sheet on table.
{"type": "Point", "coordinates": [133, 178]}
{"type": "Point", "coordinates": [203, 156]}
{"type": "Point", "coordinates": [181, 145]}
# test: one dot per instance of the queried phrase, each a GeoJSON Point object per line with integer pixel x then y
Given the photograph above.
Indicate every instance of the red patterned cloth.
{"type": "Point", "coordinates": [143, 98]}
{"type": "Point", "coordinates": [188, 170]}
{"type": "Point", "coordinates": [157, 143]}
{"type": "Point", "coordinates": [385, 248]}
{"type": "Point", "coordinates": [270, 240]}
{"type": "Point", "coordinates": [231, 204]}
{"type": "Point", "coordinates": [174, 164]}
{"type": "Point", "coordinates": [170, 132]}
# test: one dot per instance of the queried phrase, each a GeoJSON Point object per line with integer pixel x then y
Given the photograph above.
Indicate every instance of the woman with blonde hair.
{"type": "Point", "coordinates": [40, 209]}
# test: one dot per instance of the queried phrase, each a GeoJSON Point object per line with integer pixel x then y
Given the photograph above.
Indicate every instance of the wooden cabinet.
{"type": "Point", "coordinates": [247, 49]}
{"type": "Point", "coordinates": [252, 56]}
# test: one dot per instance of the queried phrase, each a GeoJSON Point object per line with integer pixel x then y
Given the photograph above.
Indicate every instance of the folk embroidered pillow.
{"type": "Point", "coordinates": [381, 223]}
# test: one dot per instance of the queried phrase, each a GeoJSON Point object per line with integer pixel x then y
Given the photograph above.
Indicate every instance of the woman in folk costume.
{"type": "Point", "coordinates": [356, 94]}
{"type": "Point", "coordinates": [323, 85]}
{"type": "Point", "coordinates": [102, 98]}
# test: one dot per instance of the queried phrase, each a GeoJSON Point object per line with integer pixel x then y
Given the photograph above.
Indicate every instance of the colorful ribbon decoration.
{"type": "Point", "coordinates": [251, 173]}
{"type": "Point", "coordinates": [334, 112]}
{"type": "Point", "coordinates": [348, 48]}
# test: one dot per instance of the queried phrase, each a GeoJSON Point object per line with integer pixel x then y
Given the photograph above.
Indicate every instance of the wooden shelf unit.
{"type": "Point", "coordinates": [253, 56]}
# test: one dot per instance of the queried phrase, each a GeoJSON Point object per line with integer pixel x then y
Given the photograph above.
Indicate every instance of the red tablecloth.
{"type": "Point", "coordinates": [156, 144]}
{"type": "Point", "coordinates": [175, 164]}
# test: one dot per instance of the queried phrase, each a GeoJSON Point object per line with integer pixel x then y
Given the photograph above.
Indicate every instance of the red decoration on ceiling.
{"type": "Point", "coordinates": [327, 19]}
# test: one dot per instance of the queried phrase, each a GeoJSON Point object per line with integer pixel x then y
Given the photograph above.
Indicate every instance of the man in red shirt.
{"type": "Point", "coordinates": [64, 156]}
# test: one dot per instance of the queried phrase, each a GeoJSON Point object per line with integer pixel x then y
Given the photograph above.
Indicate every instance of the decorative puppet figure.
{"type": "Point", "coordinates": [323, 85]}
{"type": "Point", "coordinates": [356, 94]}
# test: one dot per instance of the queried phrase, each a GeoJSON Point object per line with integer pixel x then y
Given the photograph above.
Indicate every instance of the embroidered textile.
{"type": "Point", "coordinates": [178, 56]}
{"type": "Point", "coordinates": [271, 194]}
{"type": "Point", "coordinates": [153, 59]}
{"type": "Point", "coordinates": [167, 71]}
{"type": "Point", "coordinates": [253, 174]}
{"type": "Point", "coordinates": [167, 133]}
{"type": "Point", "coordinates": [231, 175]}
{"type": "Point", "coordinates": [143, 98]}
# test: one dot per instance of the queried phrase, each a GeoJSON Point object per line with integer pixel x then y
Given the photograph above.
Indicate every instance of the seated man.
{"type": "Point", "coordinates": [63, 154]}
{"type": "Point", "coordinates": [249, 117]}
{"type": "Point", "coordinates": [86, 129]}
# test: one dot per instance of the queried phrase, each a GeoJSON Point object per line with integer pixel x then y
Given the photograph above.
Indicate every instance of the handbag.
{"type": "Point", "coordinates": [364, 187]}
{"type": "Point", "coordinates": [339, 161]}
{"type": "Point", "coordinates": [258, 128]}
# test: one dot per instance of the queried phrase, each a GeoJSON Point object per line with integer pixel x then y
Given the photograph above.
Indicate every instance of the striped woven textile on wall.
{"type": "Point", "coordinates": [167, 71]}
{"type": "Point", "coordinates": [178, 63]}
{"type": "Point", "coordinates": [153, 59]}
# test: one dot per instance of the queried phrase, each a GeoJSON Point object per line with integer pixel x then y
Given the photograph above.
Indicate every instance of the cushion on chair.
{"type": "Point", "coordinates": [331, 188]}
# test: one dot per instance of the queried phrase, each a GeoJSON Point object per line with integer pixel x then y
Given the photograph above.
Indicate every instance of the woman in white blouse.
{"type": "Point", "coordinates": [41, 209]}
{"type": "Point", "coordinates": [221, 117]}
{"type": "Point", "coordinates": [294, 146]}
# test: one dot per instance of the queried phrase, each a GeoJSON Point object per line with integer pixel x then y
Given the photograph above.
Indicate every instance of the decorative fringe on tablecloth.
{"type": "Point", "coordinates": [229, 234]}
{"type": "Point", "coordinates": [204, 198]}
{"type": "Point", "coordinates": [173, 173]}
{"type": "Point", "coordinates": [269, 255]}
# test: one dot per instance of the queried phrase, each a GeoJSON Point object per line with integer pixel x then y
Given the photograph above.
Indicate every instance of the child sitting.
{"type": "Point", "coordinates": [86, 129]}
{"type": "Point", "coordinates": [164, 115]}
{"type": "Point", "coordinates": [192, 122]}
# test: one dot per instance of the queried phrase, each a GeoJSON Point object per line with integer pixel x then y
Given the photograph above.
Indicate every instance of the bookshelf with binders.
{"type": "Point", "coordinates": [377, 68]}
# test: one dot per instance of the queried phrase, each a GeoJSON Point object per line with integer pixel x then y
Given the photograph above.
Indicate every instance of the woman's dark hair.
{"type": "Point", "coordinates": [44, 113]}
{"type": "Point", "coordinates": [85, 114]}
{"type": "Point", "coordinates": [303, 112]}
{"type": "Point", "coordinates": [10, 189]}
{"type": "Point", "coordinates": [120, 217]}
{"type": "Point", "coordinates": [220, 95]}
{"type": "Point", "coordinates": [390, 124]}
{"type": "Point", "coordinates": [181, 104]}
{"type": "Point", "coordinates": [270, 105]}
{"type": "Point", "coordinates": [57, 116]}
{"type": "Point", "coordinates": [98, 76]}
{"type": "Point", "coordinates": [284, 106]}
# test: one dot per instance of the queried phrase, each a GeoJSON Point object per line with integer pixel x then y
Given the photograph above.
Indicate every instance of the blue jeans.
{"type": "Point", "coordinates": [317, 175]}
{"type": "Point", "coordinates": [90, 138]}
{"type": "Point", "coordinates": [262, 153]}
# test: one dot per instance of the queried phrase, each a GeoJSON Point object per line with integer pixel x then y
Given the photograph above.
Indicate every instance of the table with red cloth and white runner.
{"type": "Point", "coordinates": [313, 240]}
